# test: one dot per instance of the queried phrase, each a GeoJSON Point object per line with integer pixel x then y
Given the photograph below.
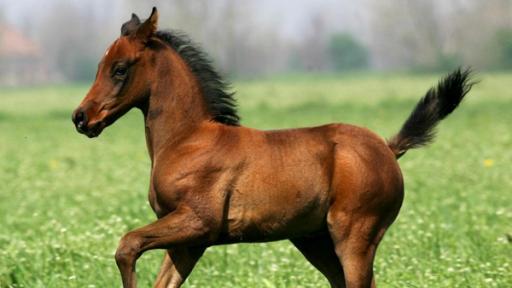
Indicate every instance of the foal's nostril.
{"type": "Point", "coordinates": [80, 119]}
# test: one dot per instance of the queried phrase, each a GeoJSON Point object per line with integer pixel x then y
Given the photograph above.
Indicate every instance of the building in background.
{"type": "Point", "coordinates": [21, 60]}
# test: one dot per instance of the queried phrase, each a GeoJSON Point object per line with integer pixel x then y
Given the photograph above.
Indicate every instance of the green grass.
{"type": "Point", "coordinates": [65, 200]}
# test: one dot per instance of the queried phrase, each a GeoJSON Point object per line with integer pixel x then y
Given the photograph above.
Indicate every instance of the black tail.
{"type": "Point", "coordinates": [439, 102]}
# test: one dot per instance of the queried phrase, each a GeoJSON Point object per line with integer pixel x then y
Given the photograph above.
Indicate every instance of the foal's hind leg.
{"type": "Point", "coordinates": [166, 273]}
{"type": "Point", "coordinates": [356, 239]}
{"type": "Point", "coordinates": [177, 265]}
{"type": "Point", "coordinates": [319, 251]}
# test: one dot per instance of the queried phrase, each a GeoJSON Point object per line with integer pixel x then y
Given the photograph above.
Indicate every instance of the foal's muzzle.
{"type": "Point", "coordinates": [83, 126]}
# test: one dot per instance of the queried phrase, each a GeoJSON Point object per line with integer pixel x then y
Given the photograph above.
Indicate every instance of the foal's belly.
{"type": "Point", "coordinates": [277, 204]}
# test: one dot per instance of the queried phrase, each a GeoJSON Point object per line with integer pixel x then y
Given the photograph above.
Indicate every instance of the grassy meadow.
{"type": "Point", "coordinates": [65, 200]}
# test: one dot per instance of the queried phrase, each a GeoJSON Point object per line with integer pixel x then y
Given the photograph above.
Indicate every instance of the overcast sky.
{"type": "Point", "coordinates": [290, 18]}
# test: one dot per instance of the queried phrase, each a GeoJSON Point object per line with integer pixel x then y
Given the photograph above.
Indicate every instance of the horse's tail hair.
{"type": "Point", "coordinates": [419, 129]}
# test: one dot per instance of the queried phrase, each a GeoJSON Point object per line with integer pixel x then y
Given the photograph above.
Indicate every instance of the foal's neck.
{"type": "Point", "coordinates": [175, 106]}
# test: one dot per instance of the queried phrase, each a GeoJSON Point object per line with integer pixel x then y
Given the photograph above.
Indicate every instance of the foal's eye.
{"type": "Point", "coordinates": [120, 71]}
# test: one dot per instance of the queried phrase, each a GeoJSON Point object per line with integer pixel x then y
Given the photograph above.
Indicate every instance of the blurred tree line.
{"type": "Point", "coordinates": [244, 39]}
{"type": "Point", "coordinates": [436, 35]}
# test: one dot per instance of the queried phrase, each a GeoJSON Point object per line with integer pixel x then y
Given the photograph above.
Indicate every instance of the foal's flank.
{"type": "Point", "coordinates": [332, 190]}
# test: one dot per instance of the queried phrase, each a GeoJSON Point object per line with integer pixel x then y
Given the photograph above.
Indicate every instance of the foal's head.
{"type": "Point", "coordinates": [122, 80]}
{"type": "Point", "coordinates": [138, 63]}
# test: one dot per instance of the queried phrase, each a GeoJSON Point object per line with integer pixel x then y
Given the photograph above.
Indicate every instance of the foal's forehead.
{"type": "Point", "coordinates": [121, 48]}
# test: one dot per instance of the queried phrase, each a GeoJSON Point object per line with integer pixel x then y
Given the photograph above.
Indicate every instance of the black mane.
{"type": "Point", "coordinates": [221, 103]}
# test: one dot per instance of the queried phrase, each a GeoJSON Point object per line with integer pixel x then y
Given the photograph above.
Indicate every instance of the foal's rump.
{"type": "Point", "coordinates": [366, 179]}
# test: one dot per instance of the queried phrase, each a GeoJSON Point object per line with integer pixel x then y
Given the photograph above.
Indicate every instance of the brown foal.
{"type": "Point", "coordinates": [332, 190]}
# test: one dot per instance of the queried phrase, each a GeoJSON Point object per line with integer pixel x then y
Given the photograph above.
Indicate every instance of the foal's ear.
{"type": "Point", "coordinates": [148, 28]}
{"type": "Point", "coordinates": [131, 26]}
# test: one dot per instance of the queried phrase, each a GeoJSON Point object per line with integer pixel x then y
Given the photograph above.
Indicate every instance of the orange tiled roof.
{"type": "Point", "coordinates": [13, 43]}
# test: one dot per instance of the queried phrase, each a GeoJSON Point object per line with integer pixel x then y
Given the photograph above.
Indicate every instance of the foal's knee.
{"type": "Point", "coordinates": [128, 250]}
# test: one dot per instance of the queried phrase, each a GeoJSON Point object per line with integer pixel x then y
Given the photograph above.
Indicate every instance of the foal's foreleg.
{"type": "Point", "coordinates": [177, 265]}
{"type": "Point", "coordinates": [180, 228]}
